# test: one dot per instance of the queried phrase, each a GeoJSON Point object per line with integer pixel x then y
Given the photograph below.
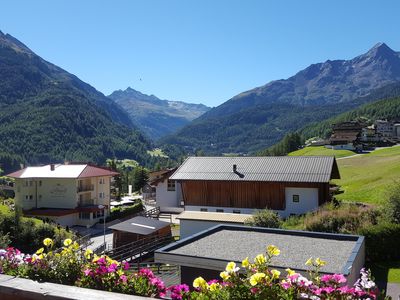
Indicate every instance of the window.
{"type": "Point", "coordinates": [219, 210]}
{"type": "Point", "coordinates": [101, 195]}
{"type": "Point", "coordinates": [26, 182]}
{"type": "Point", "coordinates": [84, 215]}
{"type": "Point", "coordinates": [30, 183]}
{"type": "Point", "coordinates": [101, 181]}
{"type": "Point", "coordinates": [296, 198]}
{"type": "Point", "coordinates": [30, 197]}
{"type": "Point", "coordinates": [236, 211]}
{"type": "Point", "coordinates": [203, 209]}
{"type": "Point", "coordinates": [40, 197]}
{"type": "Point", "coordinates": [171, 185]}
{"type": "Point", "coordinates": [40, 183]}
{"type": "Point", "coordinates": [26, 197]}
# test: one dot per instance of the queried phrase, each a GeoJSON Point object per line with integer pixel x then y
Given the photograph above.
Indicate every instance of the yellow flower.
{"type": "Point", "coordinates": [275, 274]}
{"type": "Point", "coordinates": [231, 267]}
{"type": "Point", "coordinates": [245, 262]}
{"type": "Point", "coordinates": [88, 252]}
{"type": "Point", "coordinates": [309, 262]}
{"type": "Point", "coordinates": [320, 262]}
{"type": "Point", "coordinates": [213, 287]}
{"type": "Point", "coordinates": [224, 275]}
{"type": "Point", "coordinates": [273, 250]}
{"type": "Point", "coordinates": [75, 246]}
{"type": "Point", "coordinates": [199, 282]}
{"type": "Point", "coordinates": [67, 242]}
{"type": "Point", "coordinates": [290, 272]}
{"type": "Point", "coordinates": [40, 256]}
{"type": "Point", "coordinates": [256, 278]}
{"type": "Point", "coordinates": [260, 259]}
{"type": "Point", "coordinates": [40, 251]}
{"type": "Point", "coordinates": [48, 242]}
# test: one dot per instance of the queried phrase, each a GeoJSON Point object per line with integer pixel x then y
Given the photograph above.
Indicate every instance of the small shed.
{"type": "Point", "coordinates": [138, 228]}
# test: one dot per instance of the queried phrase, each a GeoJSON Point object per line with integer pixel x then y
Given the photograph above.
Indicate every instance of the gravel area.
{"type": "Point", "coordinates": [231, 245]}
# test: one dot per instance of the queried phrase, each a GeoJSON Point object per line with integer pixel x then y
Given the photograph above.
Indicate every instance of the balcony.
{"type": "Point", "coordinates": [85, 188]}
{"type": "Point", "coordinates": [86, 202]}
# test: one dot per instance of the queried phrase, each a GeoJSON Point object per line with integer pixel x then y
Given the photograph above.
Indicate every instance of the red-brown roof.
{"type": "Point", "coordinates": [94, 171]}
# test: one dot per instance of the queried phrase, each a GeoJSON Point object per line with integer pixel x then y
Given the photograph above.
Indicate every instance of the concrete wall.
{"type": "Point", "coordinates": [12, 288]}
{"type": "Point", "coordinates": [225, 209]}
{"type": "Point", "coordinates": [308, 201]}
{"type": "Point", "coordinates": [165, 198]}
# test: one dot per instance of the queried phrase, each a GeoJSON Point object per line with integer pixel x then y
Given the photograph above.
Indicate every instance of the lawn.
{"type": "Point", "coordinates": [321, 151]}
{"type": "Point", "coordinates": [157, 152]}
{"type": "Point", "coordinates": [365, 177]}
{"type": "Point", "coordinates": [386, 271]}
{"type": "Point", "coordinates": [4, 209]}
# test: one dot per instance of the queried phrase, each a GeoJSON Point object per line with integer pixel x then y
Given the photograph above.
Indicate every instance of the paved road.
{"type": "Point", "coordinates": [393, 290]}
{"type": "Point", "coordinates": [99, 240]}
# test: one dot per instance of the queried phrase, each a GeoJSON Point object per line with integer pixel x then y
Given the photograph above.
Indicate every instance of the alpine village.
{"type": "Point", "coordinates": [289, 190]}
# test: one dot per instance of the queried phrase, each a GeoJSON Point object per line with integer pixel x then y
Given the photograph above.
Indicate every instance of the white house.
{"type": "Point", "coordinates": [168, 192]}
{"type": "Point", "coordinates": [69, 194]}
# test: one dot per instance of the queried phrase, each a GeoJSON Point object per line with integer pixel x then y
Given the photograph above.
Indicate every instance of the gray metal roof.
{"type": "Point", "coordinates": [265, 168]}
{"type": "Point", "coordinates": [140, 225]}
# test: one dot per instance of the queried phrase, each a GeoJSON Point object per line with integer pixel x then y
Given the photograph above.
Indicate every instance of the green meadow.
{"type": "Point", "coordinates": [321, 151]}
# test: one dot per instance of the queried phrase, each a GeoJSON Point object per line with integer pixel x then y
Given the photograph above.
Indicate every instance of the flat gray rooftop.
{"type": "Point", "coordinates": [234, 243]}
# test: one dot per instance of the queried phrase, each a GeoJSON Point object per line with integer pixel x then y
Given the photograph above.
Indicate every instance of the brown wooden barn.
{"type": "Point", "coordinates": [287, 184]}
{"type": "Point", "coordinates": [138, 228]}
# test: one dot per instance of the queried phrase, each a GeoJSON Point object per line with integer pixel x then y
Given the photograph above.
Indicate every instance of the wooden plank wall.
{"type": "Point", "coordinates": [244, 194]}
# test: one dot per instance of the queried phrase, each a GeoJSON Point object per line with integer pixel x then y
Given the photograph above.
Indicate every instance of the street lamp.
{"type": "Point", "coordinates": [104, 224]}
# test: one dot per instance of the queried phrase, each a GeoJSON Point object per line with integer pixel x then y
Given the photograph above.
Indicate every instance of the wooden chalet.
{"type": "Point", "coordinates": [287, 184]}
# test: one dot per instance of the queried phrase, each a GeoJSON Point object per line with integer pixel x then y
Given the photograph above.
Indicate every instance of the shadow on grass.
{"type": "Point", "coordinates": [380, 271]}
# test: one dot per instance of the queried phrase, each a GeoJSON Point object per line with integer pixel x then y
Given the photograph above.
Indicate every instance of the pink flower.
{"type": "Point", "coordinates": [126, 266]}
{"type": "Point", "coordinates": [286, 284]}
{"type": "Point", "coordinates": [339, 278]}
{"type": "Point", "coordinates": [123, 278]}
{"type": "Point", "coordinates": [112, 268]}
{"type": "Point", "coordinates": [87, 272]}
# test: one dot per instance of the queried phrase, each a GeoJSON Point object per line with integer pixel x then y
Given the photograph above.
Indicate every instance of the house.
{"type": "Point", "coordinates": [168, 191]}
{"type": "Point", "coordinates": [68, 194]}
{"type": "Point", "coordinates": [138, 228]}
{"type": "Point", "coordinates": [207, 253]}
{"type": "Point", "coordinates": [286, 184]}
{"type": "Point", "coordinates": [346, 136]}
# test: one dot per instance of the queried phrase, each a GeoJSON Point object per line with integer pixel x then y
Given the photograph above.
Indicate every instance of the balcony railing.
{"type": "Point", "coordinates": [86, 202]}
{"type": "Point", "coordinates": [85, 188]}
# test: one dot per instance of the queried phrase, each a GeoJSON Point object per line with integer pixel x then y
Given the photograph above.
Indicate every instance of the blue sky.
{"type": "Point", "coordinates": [197, 51]}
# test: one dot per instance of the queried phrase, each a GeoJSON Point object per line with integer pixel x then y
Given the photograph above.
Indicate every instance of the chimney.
{"type": "Point", "coordinates": [234, 168]}
{"type": "Point", "coordinates": [52, 167]}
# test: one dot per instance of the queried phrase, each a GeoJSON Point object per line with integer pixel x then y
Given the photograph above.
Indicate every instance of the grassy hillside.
{"type": "Point", "coordinates": [365, 177]}
{"type": "Point", "coordinates": [321, 151]}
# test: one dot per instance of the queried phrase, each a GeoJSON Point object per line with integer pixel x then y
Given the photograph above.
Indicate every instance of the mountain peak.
{"type": "Point", "coordinates": [380, 50]}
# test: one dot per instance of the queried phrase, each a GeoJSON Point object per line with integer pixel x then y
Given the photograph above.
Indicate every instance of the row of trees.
{"type": "Point", "coordinates": [131, 173]}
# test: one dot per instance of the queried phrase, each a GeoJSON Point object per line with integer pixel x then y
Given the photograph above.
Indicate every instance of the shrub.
{"type": "Point", "coordinates": [124, 211]}
{"type": "Point", "coordinates": [347, 218]}
{"type": "Point", "coordinates": [382, 241]}
{"type": "Point", "coordinates": [265, 218]}
{"type": "Point", "coordinates": [392, 205]}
